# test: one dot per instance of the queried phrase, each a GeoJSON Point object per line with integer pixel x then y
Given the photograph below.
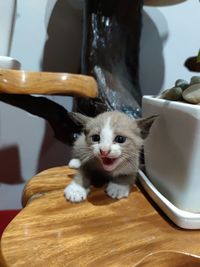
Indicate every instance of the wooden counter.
{"type": "Point", "coordinates": [99, 232]}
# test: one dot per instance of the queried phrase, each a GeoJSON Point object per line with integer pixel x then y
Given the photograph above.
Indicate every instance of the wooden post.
{"type": "Point", "coordinates": [111, 54]}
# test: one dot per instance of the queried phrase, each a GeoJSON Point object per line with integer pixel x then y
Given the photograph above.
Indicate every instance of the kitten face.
{"type": "Point", "coordinates": [114, 140]}
{"type": "Point", "coordinates": [110, 143]}
{"type": "Point", "coordinates": [102, 141]}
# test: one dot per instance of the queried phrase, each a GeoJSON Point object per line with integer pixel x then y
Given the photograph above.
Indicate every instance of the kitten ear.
{"type": "Point", "coordinates": [145, 124]}
{"type": "Point", "coordinates": [80, 118]}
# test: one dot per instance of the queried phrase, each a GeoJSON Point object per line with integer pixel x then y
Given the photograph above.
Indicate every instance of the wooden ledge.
{"type": "Point", "coordinates": [46, 181]}
{"type": "Point", "coordinates": [26, 82]}
{"type": "Point", "coordinates": [51, 232]}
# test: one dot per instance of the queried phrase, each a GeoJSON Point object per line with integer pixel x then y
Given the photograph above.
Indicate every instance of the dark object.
{"type": "Point", "coordinates": [111, 54]}
{"type": "Point", "coordinates": [192, 64]}
{"type": "Point", "coordinates": [64, 127]}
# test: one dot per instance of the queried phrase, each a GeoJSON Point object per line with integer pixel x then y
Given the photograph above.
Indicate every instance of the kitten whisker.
{"type": "Point", "coordinates": [100, 132]}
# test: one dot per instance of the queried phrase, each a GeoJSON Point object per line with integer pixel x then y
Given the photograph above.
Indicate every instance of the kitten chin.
{"type": "Point", "coordinates": [107, 152]}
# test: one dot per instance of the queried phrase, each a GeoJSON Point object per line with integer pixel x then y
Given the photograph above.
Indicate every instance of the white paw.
{"type": "Point", "coordinates": [75, 163]}
{"type": "Point", "coordinates": [75, 192]}
{"type": "Point", "coordinates": [117, 191]}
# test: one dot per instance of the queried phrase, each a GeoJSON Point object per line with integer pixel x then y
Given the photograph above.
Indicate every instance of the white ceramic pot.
{"type": "Point", "coordinates": [172, 151]}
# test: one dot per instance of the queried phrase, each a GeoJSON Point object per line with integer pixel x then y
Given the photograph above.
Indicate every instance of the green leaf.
{"type": "Point", "coordinates": [198, 57]}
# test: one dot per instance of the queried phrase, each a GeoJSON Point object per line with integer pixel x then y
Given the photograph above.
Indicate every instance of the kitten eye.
{"type": "Point", "coordinates": [120, 139]}
{"type": "Point", "coordinates": [95, 138]}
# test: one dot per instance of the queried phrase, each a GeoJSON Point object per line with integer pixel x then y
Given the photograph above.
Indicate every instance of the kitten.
{"type": "Point", "coordinates": [107, 150]}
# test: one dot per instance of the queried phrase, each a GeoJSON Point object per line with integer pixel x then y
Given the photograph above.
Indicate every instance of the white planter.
{"type": "Point", "coordinates": [172, 152]}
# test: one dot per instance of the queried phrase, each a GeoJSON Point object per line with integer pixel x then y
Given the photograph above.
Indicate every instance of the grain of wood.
{"type": "Point", "coordinates": [26, 82]}
{"type": "Point", "coordinates": [98, 232]}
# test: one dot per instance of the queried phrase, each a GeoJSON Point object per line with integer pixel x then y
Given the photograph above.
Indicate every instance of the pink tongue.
{"type": "Point", "coordinates": [108, 161]}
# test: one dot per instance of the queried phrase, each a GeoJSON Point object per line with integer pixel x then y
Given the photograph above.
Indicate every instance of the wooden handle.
{"type": "Point", "coordinates": [46, 181]}
{"type": "Point", "coordinates": [25, 82]}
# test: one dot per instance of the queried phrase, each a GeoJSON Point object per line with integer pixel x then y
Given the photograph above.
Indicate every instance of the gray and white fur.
{"type": "Point", "coordinates": [109, 149]}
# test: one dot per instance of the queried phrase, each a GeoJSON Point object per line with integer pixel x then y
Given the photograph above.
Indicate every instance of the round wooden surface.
{"type": "Point", "coordinates": [98, 232]}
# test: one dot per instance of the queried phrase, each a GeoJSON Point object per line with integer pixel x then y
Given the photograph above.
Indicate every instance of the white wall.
{"type": "Point", "coordinates": [44, 38]}
{"type": "Point", "coordinates": [47, 36]}
{"type": "Point", "coordinates": [170, 35]}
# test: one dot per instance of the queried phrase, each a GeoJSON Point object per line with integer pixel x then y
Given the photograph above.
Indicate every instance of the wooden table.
{"type": "Point", "coordinates": [99, 232]}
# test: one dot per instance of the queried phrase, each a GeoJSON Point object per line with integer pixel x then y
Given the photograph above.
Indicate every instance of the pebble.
{"type": "Point", "coordinates": [195, 80]}
{"type": "Point", "coordinates": [174, 93]}
{"type": "Point", "coordinates": [181, 83]}
{"type": "Point", "coordinates": [192, 94]}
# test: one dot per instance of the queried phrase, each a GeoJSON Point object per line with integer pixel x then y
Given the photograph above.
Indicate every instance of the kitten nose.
{"type": "Point", "coordinates": [104, 153]}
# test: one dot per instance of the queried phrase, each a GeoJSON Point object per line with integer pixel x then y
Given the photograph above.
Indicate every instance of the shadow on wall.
{"type": "Point", "coordinates": [53, 153]}
{"type": "Point", "coordinates": [63, 47]}
{"type": "Point", "coordinates": [61, 54]}
{"type": "Point", "coordinates": [152, 66]}
{"type": "Point", "coordinates": [10, 168]}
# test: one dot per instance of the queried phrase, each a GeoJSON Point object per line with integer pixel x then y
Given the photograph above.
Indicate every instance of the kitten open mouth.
{"type": "Point", "coordinates": [109, 163]}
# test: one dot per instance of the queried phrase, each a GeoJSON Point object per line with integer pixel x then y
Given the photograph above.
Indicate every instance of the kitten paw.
{"type": "Point", "coordinates": [75, 192]}
{"type": "Point", "coordinates": [75, 163]}
{"type": "Point", "coordinates": [117, 191]}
